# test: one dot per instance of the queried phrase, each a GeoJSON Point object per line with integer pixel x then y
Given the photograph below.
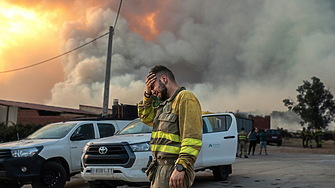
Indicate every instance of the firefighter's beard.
{"type": "Point", "coordinates": [162, 91]}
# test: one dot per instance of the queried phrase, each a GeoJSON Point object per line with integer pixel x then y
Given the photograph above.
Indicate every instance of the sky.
{"type": "Point", "coordinates": [234, 55]}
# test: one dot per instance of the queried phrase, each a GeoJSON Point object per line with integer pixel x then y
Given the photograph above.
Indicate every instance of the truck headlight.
{"type": "Point", "coordinates": [26, 152]}
{"type": "Point", "coordinates": [86, 147]}
{"type": "Point", "coordinates": [141, 146]}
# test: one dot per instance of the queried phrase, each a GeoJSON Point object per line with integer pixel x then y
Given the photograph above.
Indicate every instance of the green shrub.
{"type": "Point", "coordinates": [11, 133]}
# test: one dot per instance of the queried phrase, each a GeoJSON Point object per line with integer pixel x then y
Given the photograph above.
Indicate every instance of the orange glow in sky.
{"type": "Point", "coordinates": [151, 23]}
{"type": "Point", "coordinates": [146, 27]}
{"type": "Point", "coordinates": [20, 27]}
{"type": "Point", "coordinates": [33, 31]}
{"type": "Point", "coordinates": [17, 24]}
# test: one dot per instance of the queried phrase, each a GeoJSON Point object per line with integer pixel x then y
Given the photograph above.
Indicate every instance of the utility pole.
{"type": "Point", "coordinates": [108, 72]}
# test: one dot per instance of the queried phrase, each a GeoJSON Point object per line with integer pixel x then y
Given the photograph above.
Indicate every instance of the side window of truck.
{"type": "Point", "coordinates": [216, 123]}
{"type": "Point", "coordinates": [87, 130]}
{"type": "Point", "coordinates": [106, 129]}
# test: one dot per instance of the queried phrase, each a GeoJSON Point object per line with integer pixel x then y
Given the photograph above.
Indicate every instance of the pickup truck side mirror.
{"type": "Point", "coordinates": [76, 137]}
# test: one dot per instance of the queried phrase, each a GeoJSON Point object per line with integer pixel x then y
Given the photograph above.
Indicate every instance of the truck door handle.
{"type": "Point", "coordinates": [227, 137]}
{"type": "Point", "coordinates": [74, 147]}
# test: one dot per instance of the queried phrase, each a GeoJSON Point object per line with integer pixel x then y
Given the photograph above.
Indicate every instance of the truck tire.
{"type": "Point", "coordinates": [52, 175]}
{"type": "Point", "coordinates": [279, 143]}
{"type": "Point", "coordinates": [221, 173]}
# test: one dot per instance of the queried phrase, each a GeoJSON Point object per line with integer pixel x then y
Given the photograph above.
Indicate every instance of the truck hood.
{"type": "Point", "coordinates": [130, 138]}
{"type": "Point", "coordinates": [27, 143]}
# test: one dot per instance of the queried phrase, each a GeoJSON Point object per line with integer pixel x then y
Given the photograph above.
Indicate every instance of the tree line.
{"type": "Point", "coordinates": [17, 131]}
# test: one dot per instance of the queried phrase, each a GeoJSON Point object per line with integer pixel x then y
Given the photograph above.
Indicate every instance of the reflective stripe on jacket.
{"type": "Point", "coordinates": [242, 136]}
{"type": "Point", "coordinates": [302, 134]}
{"type": "Point", "coordinates": [177, 126]}
{"type": "Point", "coordinates": [308, 133]}
{"type": "Point", "coordinates": [318, 132]}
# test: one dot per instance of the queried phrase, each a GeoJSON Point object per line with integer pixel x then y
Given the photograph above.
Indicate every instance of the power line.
{"type": "Point", "coordinates": [118, 12]}
{"type": "Point", "coordinates": [45, 61]}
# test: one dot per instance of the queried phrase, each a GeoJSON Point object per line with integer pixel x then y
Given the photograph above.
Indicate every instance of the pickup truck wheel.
{"type": "Point", "coordinates": [220, 173]}
{"type": "Point", "coordinates": [52, 175]}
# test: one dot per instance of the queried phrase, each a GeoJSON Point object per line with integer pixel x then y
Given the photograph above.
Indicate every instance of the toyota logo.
{"type": "Point", "coordinates": [103, 150]}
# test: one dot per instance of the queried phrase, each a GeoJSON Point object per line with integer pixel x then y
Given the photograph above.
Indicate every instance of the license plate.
{"type": "Point", "coordinates": [274, 137]}
{"type": "Point", "coordinates": [102, 170]}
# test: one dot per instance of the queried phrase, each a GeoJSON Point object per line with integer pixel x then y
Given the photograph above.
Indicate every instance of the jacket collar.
{"type": "Point", "coordinates": [176, 93]}
{"type": "Point", "coordinates": [173, 96]}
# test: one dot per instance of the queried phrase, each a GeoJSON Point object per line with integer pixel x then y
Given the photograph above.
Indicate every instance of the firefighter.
{"type": "Point", "coordinates": [176, 137]}
{"type": "Point", "coordinates": [309, 136]}
{"type": "Point", "coordinates": [242, 142]}
{"type": "Point", "coordinates": [303, 137]}
{"type": "Point", "coordinates": [318, 137]}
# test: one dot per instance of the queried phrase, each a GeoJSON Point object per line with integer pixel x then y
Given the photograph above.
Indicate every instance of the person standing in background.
{"type": "Point", "coordinates": [318, 137]}
{"type": "Point", "coordinates": [262, 137]}
{"type": "Point", "coordinates": [303, 137]}
{"type": "Point", "coordinates": [309, 136]}
{"type": "Point", "coordinates": [242, 142]}
{"type": "Point", "coordinates": [253, 140]}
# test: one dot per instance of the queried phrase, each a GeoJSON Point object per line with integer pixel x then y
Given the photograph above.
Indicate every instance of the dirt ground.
{"type": "Point", "coordinates": [294, 145]}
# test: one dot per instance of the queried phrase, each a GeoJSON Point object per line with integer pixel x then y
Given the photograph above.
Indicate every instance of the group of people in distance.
{"type": "Point", "coordinates": [307, 136]}
{"type": "Point", "coordinates": [243, 139]}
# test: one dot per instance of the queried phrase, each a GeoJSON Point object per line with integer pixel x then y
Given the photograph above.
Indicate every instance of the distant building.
{"type": "Point", "coordinates": [124, 111]}
{"type": "Point", "coordinates": [118, 111]}
{"type": "Point", "coordinates": [261, 122]}
{"type": "Point", "coordinates": [246, 123]}
{"type": "Point", "coordinates": [12, 112]}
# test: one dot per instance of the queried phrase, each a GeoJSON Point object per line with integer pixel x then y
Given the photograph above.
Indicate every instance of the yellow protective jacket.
{"type": "Point", "coordinates": [302, 134]}
{"type": "Point", "coordinates": [242, 136]}
{"type": "Point", "coordinates": [308, 133]}
{"type": "Point", "coordinates": [318, 132]}
{"type": "Point", "coordinates": [177, 126]}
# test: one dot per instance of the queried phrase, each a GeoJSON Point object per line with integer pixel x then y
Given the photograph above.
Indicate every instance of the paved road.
{"type": "Point", "coordinates": [276, 170]}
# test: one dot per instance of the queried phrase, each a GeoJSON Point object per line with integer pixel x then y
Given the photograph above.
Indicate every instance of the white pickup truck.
{"type": "Point", "coordinates": [123, 158]}
{"type": "Point", "coordinates": [51, 155]}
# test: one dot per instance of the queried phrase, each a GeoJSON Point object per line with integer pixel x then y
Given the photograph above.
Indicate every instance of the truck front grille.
{"type": "Point", "coordinates": [5, 153]}
{"type": "Point", "coordinates": [116, 155]}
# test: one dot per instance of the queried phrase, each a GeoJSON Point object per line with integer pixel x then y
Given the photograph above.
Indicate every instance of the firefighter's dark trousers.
{"type": "Point", "coordinates": [304, 142]}
{"type": "Point", "coordinates": [242, 144]}
{"type": "Point", "coordinates": [319, 141]}
{"type": "Point", "coordinates": [309, 140]}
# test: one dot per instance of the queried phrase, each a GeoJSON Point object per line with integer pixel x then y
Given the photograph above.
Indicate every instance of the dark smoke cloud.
{"type": "Point", "coordinates": [232, 54]}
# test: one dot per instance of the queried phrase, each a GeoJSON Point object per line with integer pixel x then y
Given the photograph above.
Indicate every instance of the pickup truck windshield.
{"type": "Point", "coordinates": [136, 127]}
{"type": "Point", "coordinates": [52, 131]}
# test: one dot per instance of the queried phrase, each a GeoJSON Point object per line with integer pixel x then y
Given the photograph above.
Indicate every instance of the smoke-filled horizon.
{"type": "Point", "coordinates": [233, 54]}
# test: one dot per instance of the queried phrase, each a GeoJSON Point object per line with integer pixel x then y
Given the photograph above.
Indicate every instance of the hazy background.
{"type": "Point", "coordinates": [233, 54]}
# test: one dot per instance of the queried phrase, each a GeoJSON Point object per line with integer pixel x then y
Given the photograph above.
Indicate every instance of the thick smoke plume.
{"type": "Point", "coordinates": [232, 54]}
